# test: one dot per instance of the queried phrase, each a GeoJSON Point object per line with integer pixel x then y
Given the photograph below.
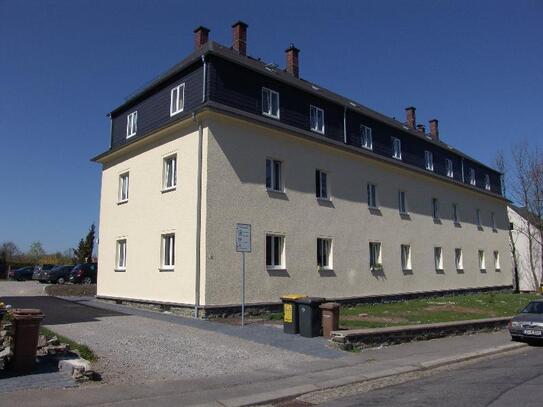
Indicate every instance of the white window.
{"type": "Point", "coordinates": [132, 124]}
{"type": "Point", "coordinates": [168, 251]}
{"type": "Point", "coordinates": [123, 187]}
{"type": "Point", "coordinates": [324, 253]}
{"type": "Point", "coordinates": [435, 208]}
{"type": "Point", "coordinates": [177, 99]}
{"type": "Point", "coordinates": [487, 182]}
{"type": "Point", "coordinates": [456, 215]}
{"type": "Point", "coordinates": [366, 137]}
{"type": "Point", "coordinates": [169, 177]}
{"type": "Point", "coordinates": [275, 249]}
{"type": "Point", "coordinates": [438, 258]}
{"type": "Point", "coordinates": [472, 176]}
{"type": "Point", "coordinates": [274, 178]}
{"type": "Point", "coordinates": [120, 263]}
{"type": "Point", "coordinates": [270, 103]}
{"type": "Point", "coordinates": [429, 160]}
{"type": "Point", "coordinates": [497, 260]}
{"type": "Point", "coordinates": [376, 263]}
{"type": "Point", "coordinates": [372, 195]}
{"type": "Point", "coordinates": [316, 119]}
{"type": "Point", "coordinates": [478, 217]}
{"type": "Point", "coordinates": [493, 221]}
{"type": "Point", "coordinates": [321, 185]}
{"type": "Point", "coordinates": [406, 256]}
{"type": "Point", "coordinates": [450, 171]}
{"type": "Point", "coordinates": [458, 259]}
{"type": "Point", "coordinates": [482, 262]}
{"type": "Point", "coordinates": [402, 202]}
{"type": "Point", "coordinates": [396, 148]}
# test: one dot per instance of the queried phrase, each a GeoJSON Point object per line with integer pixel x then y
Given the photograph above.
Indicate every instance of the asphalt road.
{"type": "Point", "coordinates": [513, 380]}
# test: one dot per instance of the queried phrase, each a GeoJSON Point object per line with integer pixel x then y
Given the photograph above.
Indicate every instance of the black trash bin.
{"type": "Point", "coordinates": [309, 316]}
{"type": "Point", "coordinates": [290, 313]}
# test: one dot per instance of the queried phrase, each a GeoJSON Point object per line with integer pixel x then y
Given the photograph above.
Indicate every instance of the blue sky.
{"type": "Point", "coordinates": [476, 66]}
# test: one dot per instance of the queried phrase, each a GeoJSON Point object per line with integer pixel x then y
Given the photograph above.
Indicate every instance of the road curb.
{"type": "Point", "coordinates": [296, 391]}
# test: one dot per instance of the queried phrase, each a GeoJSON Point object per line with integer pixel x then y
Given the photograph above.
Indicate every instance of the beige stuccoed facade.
{"type": "Point", "coordinates": [234, 153]}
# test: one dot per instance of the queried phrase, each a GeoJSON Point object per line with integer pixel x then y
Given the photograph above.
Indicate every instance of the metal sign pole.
{"type": "Point", "coordinates": [242, 288]}
{"type": "Point", "coordinates": [243, 245]}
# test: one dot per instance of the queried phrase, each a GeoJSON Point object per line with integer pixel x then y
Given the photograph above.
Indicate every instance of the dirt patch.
{"type": "Point", "coordinates": [457, 308]}
{"type": "Point", "coordinates": [374, 318]}
{"type": "Point", "coordinates": [71, 290]}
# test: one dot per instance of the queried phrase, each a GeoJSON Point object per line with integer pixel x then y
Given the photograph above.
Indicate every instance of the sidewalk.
{"type": "Point", "coordinates": [261, 385]}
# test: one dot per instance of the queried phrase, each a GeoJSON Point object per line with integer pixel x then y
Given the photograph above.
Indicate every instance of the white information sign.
{"type": "Point", "coordinates": [243, 237]}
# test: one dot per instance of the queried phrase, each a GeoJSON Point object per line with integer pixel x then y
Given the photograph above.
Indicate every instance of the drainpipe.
{"type": "Point", "coordinates": [463, 180]}
{"type": "Point", "coordinates": [205, 77]}
{"type": "Point", "coordinates": [110, 130]}
{"type": "Point", "coordinates": [198, 217]}
{"type": "Point", "coordinates": [345, 124]}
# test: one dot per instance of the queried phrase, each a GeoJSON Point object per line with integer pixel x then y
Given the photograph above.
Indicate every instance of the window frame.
{"type": "Point", "coordinates": [366, 133]}
{"type": "Point", "coordinates": [428, 160]}
{"type": "Point", "coordinates": [325, 243]}
{"type": "Point", "coordinates": [165, 173]}
{"type": "Point", "coordinates": [177, 107]}
{"type": "Point", "coordinates": [406, 257]}
{"type": "Point", "coordinates": [449, 168]}
{"type": "Point", "coordinates": [269, 93]}
{"type": "Point", "coordinates": [319, 189]}
{"type": "Point", "coordinates": [375, 260]}
{"type": "Point", "coordinates": [459, 259]}
{"type": "Point", "coordinates": [478, 218]}
{"type": "Point", "coordinates": [123, 193]}
{"type": "Point", "coordinates": [438, 258]}
{"type": "Point", "coordinates": [317, 111]}
{"type": "Point", "coordinates": [170, 256]}
{"type": "Point", "coordinates": [482, 259]}
{"type": "Point", "coordinates": [402, 203]}
{"type": "Point", "coordinates": [282, 257]}
{"type": "Point", "coordinates": [497, 263]}
{"type": "Point", "coordinates": [131, 124]}
{"type": "Point", "coordinates": [273, 175]}
{"type": "Point", "coordinates": [493, 223]}
{"type": "Point", "coordinates": [487, 182]}
{"type": "Point", "coordinates": [120, 255]}
{"type": "Point", "coordinates": [456, 213]}
{"type": "Point", "coordinates": [472, 178]}
{"type": "Point", "coordinates": [396, 148]}
{"type": "Point", "coordinates": [371, 191]}
{"type": "Point", "coordinates": [435, 209]}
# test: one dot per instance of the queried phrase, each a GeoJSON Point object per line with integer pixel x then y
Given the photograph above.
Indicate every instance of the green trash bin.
{"type": "Point", "coordinates": [309, 315]}
{"type": "Point", "coordinates": [290, 313]}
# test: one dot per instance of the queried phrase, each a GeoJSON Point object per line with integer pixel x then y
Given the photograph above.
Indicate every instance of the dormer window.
{"type": "Point", "coordinates": [396, 148]}
{"type": "Point", "coordinates": [429, 160]}
{"type": "Point", "coordinates": [132, 124]}
{"type": "Point", "coordinates": [472, 176]}
{"type": "Point", "coordinates": [487, 182]}
{"type": "Point", "coordinates": [177, 99]}
{"type": "Point", "coordinates": [316, 119]}
{"type": "Point", "coordinates": [450, 171]}
{"type": "Point", "coordinates": [270, 103]}
{"type": "Point", "coordinates": [366, 139]}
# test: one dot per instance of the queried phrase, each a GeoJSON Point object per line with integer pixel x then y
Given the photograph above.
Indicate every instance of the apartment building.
{"type": "Point", "coordinates": [343, 202]}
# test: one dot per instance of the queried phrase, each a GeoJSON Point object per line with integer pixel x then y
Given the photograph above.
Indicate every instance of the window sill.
{"type": "Point", "coordinates": [437, 221]}
{"type": "Point", "coordinates": [376, 269]}
{"type": "Point", "coordinates": [170, 189]}
{"type": "Point", "coordinates": [318, 131]}
{"type": "Point", "coordinates": [166, 269]}
{"type": "Point", "coordinates": [480, 228]}
{"type": "Point", "coordinates": [271, 116]}
{"type": "Point", "coordinates": [375, 210]}
{"type": "Point", "coordinates": [498, 270]}
{"type": "Point", "coordinates": [130, 136]}
{"type": "Point", "coordinates": [460, 271]}
{"type": "Point", "coordinates": [325, 269]}
{"type": "Point", "coordinates": [457, 225]}
{"type": "Point", "coordinates": [494, 230]}
{"type": "Point", "coordinates": [397, 158]}
{"type": "Point", "coordinates": [405, 216]}
{"type": "Point", "coordinates": [122, 202]}
{"type": "Point", "coordinates": [276, 191]}
{"type": "Point", "coordinates": [174, 113]}
{"type": "Point", "coordinates": [370, 148]}
{"type": "Point", "coordinates": [119, 270]}
{"type": "Point", "coordinates": [274, 268]}
{"type": "Point", "coordinates": [324, 199]}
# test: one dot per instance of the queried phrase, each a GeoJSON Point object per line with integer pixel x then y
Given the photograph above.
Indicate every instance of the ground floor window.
{"type": "Point", "coordinates": [324, 253]}
{"type": "Point", "coordinates": [406, 256]}
{"type": "Point", "coordinates": [120, 263]}
{"type": "Point", "coordinates": [275, 247]}
{"type": "Point", "coordinates": [458, 259]}
{"type": "Point", "coordinates": [482, 262]}
{"type": "Point", "coordinates": [497, 260]}
{"type": "Point", "coordinates": [375, 256]}
{"type": "Point", "coordinates": [168, 251]}
{"type": "Point", "coordinates": [438, 258]}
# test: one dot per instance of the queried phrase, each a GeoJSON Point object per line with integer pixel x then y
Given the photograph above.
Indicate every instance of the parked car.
{"type": "Point", "coordinates": [528, 325]}
{"type": "Point", "coordinates": [84, 273]}
{"type": "Point", "coordinates": [39, 269]}
{"type": "Point", "coordinates": [21, 274]}
{"type": "Point", "coordinates": [57, 275]}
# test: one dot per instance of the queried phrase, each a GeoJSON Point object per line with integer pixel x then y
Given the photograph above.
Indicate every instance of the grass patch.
{"type": "Point", "coordinates": [84, 351]}
{"type": "Point", "coordinates": [432, 310]}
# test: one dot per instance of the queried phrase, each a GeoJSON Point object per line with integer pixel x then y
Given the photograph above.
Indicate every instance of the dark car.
{"type": "Point", "coordinates": [528, 325]}
{"type": "Point", "coordinates": [57, 275]}
{"type": "Point", "coordinates": [84, 273]}
{"type": "Point", "coordinates": [39, 270]}
{"type": "Point", "coordinates": [21, 274]}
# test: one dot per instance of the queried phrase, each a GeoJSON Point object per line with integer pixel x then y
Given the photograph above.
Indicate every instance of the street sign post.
{"type": "Point", "coordinates": [243, 245]}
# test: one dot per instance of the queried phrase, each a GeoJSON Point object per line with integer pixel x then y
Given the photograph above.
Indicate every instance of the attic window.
{"type": "Point", "coordinates": [132, 124]}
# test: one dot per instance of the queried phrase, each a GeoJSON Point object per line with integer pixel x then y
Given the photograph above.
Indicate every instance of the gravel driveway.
{"type": "Point", "coordinates": [139, 346]}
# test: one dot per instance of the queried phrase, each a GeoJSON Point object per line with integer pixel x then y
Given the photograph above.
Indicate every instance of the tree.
{"type": "Point", "coordinates": [83, 251]}
{"type": "Point", "coordinates": [36, 252]}
{"type": "Point", "coordinates": [8, 250]}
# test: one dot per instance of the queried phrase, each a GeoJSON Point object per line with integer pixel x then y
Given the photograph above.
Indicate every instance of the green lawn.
{"type": "Point", "coordinates": [430, 310]}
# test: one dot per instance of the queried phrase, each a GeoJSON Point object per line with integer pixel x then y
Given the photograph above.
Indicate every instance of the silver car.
{"type": "Point", "coordinates": [528, 325]}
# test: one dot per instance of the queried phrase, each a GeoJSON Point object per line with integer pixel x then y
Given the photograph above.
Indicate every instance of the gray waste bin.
{"type": "Point", "coordinates": [309, 316]}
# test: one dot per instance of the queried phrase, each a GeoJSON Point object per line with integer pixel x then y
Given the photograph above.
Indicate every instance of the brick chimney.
{"type": "Point", "coordinates": [293, 67]}
{"type": "Point", "coordinates": [421, 129]}
{"type": "Point", "coordinates": [239, 37]}
{"type": "Point", "coordinates": [201, 35]}
{"type": "Point", "coordinates": [434, 129]}
{"type": "Point", "coordinates": [411, 117]}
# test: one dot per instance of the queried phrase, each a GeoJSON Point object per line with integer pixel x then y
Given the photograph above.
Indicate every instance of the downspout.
{"type": "Point", "coordinates": [110, 130]}
{"type": "Point", "coordinates": [463, 180]}
{"type": "Point", "coordinates": [204, 79]}
{"type": "Point", "coordinates": [345, 125]}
